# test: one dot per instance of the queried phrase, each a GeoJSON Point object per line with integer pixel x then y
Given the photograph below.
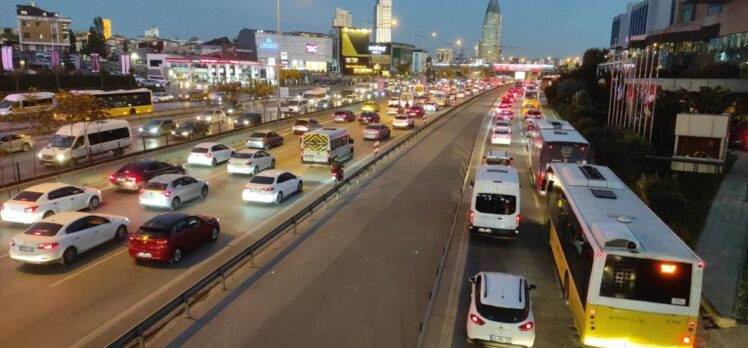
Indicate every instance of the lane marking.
{"type": "Point", "coordinates": [90, 266]}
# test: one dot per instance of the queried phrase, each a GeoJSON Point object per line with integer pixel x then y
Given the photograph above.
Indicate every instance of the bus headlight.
{"type": "Point", "coordinates": [60, 157]}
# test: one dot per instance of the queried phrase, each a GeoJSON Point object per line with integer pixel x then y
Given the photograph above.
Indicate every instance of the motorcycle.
{"type": "Point", "coordinates": [337, 175]}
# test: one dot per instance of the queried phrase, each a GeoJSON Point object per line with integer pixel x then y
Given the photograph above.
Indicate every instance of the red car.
{"type": "Point", "coordinates": [533, 113]}
{"type": "Point", "coordinates": [504, 105]}
{"type": "Point", "coordinates": [505, 114]}
{"type": "Point", "coordinates": [417, 111]}
{"type": "Point", "coordinates": [343, 116]}
{"type": "Point", "coordinates": [167, 236]}
{"type": "Point", "coordinates": [367, 117]}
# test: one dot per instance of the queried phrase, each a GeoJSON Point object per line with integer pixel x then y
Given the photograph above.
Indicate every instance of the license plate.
{"type": "Point", "coordinates": [145, 255]}
{"type": "Point", "coordinates": [501, 339]}
{"type": "Point", "coordinates": [484, 230]}
{"type": "Point", "coordinates": [120, 179]}
{"type": "Point", "coordinates": [26, 249]}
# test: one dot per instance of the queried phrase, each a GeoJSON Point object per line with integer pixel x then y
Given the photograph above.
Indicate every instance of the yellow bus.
{"type": "Point", "coordinates": [124, 102]}
{"type": "Point", "coordinates": [627, 277]}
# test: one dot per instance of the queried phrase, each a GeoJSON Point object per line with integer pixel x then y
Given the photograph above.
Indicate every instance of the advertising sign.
{"type": "Point", "coordinates": [354, 52]}
{"type": "Point", "coordinates": [312, 48]}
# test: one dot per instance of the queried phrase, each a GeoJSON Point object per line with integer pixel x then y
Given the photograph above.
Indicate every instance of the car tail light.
{"type": "Point", "coordinates": [132, 179]}
{"type": "Point", "coordinates": [248, 163]}
{"type": "Point", "coordinates": [47, 246]}
{"type": "Point", "coordinates": [162, 241]}
{"type": "Point", "coordinates": [166, 193]}
{"type": "Point", "coordinates": [140, 191]}
{"type": "Point", "coordinates": [112, 178]}
{"type": "Point", "coordinates": [12, 243]}
{"type": "Point", "coordinates": [267, 189]}
{"type": "Point", "coordinates": [209, 155]}
{"type": "Point", "coordinates": [517, 219]}
{"type": "Point", "coordinates": [31, 209]}
{"type": "Point", "coordinates": [471, 216]}
{"type": "Point", "coordinates": [476, 319]}
{"type": "Point", "coordinates": [527, 326]}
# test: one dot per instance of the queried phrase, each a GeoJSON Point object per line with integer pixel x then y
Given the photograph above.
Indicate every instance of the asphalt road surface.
{"type": "Point", "coordinates": [61, 306]}
{"type": "Point", "coordinates": [360, 277]}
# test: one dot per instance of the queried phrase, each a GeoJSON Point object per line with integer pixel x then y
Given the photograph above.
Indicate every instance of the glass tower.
{"type": "Point", "coordinates": [490, 50]}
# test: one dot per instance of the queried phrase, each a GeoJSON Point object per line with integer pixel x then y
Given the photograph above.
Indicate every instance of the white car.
{"type": "Point", "coordinates": [210, 154]}
{"type": "Point", "coordinates": [213, 116]}
{"type": "Point", "coordinates": [171, 190]}
{"type": "Point", "coordinates": [60, 238]}
{"type": "Point", "coordinates": [500, 310]}
{"type": "Point", "coordinates": [271, 186]}
{"type": "Point", "coordinates": [505, 124]}
{"type": "Point", "coordinates": [498, 157]}
{"type": "Point", "coordinates": [161, 97]}
{"type": "Point", "coordinates": [44, 200]}
{"type": "Point", "coordinates": [403, 122]}
{"type": "Point", "coordinates": [250, 161]}
{"type": "Point", "coordinates": [501, 136]}
{"type": "Point", "coordinates": [430, 107]}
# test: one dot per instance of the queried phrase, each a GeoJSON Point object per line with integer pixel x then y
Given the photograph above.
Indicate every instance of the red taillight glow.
{"type": "Point", "coordinates": [46, 246]}
{"type": "Point", "coordinates": [166, 193]}
{"type": "Point", "coordinates": [268, 189]}
{"type": "Point", "coordinates": [248, 163]}
{"type": "Point", "coordinates": [600, 254]}
{"type": "Point", "coordinates": [132, 179]}
{"type": "Point", "coordinates": [476, 319]}
{"type": "Point", "coordinates": [471, 215]}
{"type": "Point", "coordinates": [527, 326]}
{"type": "Point", "coordinates": [31, 209]}
{"type": "Point", "coordinates": [112, 178]}
{"type": "Point", "coordinates": [701, 264]}
{"type": "Point", "coordinates": [12, 243]}
{"type": "Point", "coordinates": [517, 219]}
{"type": "Point", "coordinates": [209, 155]}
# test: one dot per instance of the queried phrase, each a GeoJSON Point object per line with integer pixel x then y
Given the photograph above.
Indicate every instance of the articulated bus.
{"type": "Point", "coordinates": [553, 142]}
{"type": "Point", "coordinates": [627, 277]}
{"type": "Point", "coordinates": [124, 101]}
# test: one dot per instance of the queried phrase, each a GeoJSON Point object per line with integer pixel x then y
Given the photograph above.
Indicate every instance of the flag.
{"type": "Point", "coordinates": [619, 93]}
{"type": "Point", "coordinates": [95, 67]}
{"type": "Point", "coordinates": [55, 60]}
{"type": "Point", "coordinates": [7, 58]}
{"type": "Point", "coordinates": [124, 61]}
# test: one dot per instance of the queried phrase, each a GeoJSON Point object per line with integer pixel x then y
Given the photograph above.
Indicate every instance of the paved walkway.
{"type": "Point", "coordinates": [723, 242]}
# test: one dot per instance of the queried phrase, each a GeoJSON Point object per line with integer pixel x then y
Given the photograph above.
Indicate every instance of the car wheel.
{"type": "Point", "coordinates": [213, 163]}
{"type": "Point", "coordinates": [176, 203]}
{"type": "Point", "coordinates": [279, 198]}
{"type": "Point", "coordinates": [121, 233]}
{"type": "Point", "coordinates": [176, 256]}
{"type": "Point", "coordinates": [69, 256]}
{"type": "Point", "coordinates": [266, 147]}
{"type": "Point", "coordinates": [214, 234]}
{"type": "Point", "coordinates": [272, 164]}
{"type": "Point", "coordinates": [48, 214]}
{"type": "Point", "coordinates": [204, 192]}
{"type": "Point", "coordinates": [300, 186]}
{"type": "Point", "coordinates": [94, 203]}
{"type": "Point", "coordinates": [26, 147]}
{"type": "Point", "coordinates": [255, 170]}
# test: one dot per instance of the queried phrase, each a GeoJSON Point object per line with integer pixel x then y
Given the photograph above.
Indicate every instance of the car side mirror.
{"type": "Point", "coordinates": [350, 141]}
{"type": "Point", "coordinates": [471, 279]}
{"type": "Point", "coordinates": [532, 287]}
{"type": "Point", "coordinates": [472, 183]}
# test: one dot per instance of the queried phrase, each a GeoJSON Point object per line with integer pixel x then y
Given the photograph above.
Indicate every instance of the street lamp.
{"type": "Point", "coordinates": [458, 42]}
{"type": "Point", "coordinates": [394, 22]}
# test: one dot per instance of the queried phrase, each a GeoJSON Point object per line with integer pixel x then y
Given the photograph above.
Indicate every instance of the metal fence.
{"type": "Point", "coordinates": [137, 335]}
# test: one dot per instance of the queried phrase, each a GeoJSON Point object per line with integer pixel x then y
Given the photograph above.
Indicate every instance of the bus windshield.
{"type": "Point", "coordinates": [647, 280]}
{"type": "Point", "coordinates": [61, 141]}
{"type": "Point", "coordinates": [565, 152]}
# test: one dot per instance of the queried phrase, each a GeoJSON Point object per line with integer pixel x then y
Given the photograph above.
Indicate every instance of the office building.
{"type": "Point", "coordinates": [41, 30]}
{"type": "Point", "coordinates": [342, 18]}
{"type": "Point", "coordinates": [444, 55]}
{"type": "Point", "coordinates": [383, 21]}
{"type": "Point", "coordinates": [491, 39]}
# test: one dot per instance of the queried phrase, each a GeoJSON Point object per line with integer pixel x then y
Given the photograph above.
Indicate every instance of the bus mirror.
{"type": "Point", "coordinates": [471, 279]}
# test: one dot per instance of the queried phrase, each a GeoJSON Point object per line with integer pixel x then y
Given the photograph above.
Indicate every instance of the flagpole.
{"type": "Point", "coordinates": [611, 97]}
{"type": "Point", "coordinates": [648, 82]}
{"type": "Point", "coordinates": [654, 103]}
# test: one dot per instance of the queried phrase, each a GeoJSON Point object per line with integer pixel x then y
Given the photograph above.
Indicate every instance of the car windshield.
{"type": "Point", "coordinates": [61, 141]}
{"type": "Point", "coordinates": [199, 150]}
{"type": "Point", "coordinates": [28, 196]}
{"type": "Point", "coordinates": [497, 161]}
{"type": "Point", "coordinates": [258, 135]}
{"type": "Point", "coordinates": [301, 123]}
{"type": "Point", "coordinates": [153, 123]}
{"type": "Point", "coordinates": [152, 232]}
{"type": "Point", "coordinates": [501, 131]}
{"type": "Point", "coordinates": [242, 155]}
{"type": "Point", "coordinates": [295, 102]}
{"type": "Point", "coordinates": [401, 118]}
{"type": "Point", "coordinates": [342, 112]}
{"type": "Point", "coordinates": [155, 186]}
{"type": "Point", "coordinates": [262, 180]}
{"type": "Point", "coordinates": [373, 127]}
{"type": "Point", "coordinates": [187, 125]}
{"type": "Point", "coordinates": [46, 229]}
{"type": "Point", "coordinates": [494, 203]}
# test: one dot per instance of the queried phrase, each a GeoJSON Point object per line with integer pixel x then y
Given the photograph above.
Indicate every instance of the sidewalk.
{"type": "Point", "coordinates": [723, 241]}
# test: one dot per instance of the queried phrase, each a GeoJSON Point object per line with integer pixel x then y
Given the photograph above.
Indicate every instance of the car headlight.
{"type": "Point", "coordinates": [140, 129]}
{"type": "Point", "coordinates": [173, 132]}
{"type": "Point", "coordinates": [185, 134]}
{"type": "Point", "coordinates": [154, 130]}
{"type": "Point", "coordinates": [246, 122]}
{"type": "Point", "coordinates": [39, 155]}
{"type": "Point", "coordinates": [60, 157]}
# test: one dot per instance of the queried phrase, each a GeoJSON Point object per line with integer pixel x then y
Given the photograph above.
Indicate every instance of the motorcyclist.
{"type": "Point", "coordinates": [336, 167]}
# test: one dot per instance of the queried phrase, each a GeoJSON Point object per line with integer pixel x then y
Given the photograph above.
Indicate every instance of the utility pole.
{"type": "Point", "coordinates": [278, 61]}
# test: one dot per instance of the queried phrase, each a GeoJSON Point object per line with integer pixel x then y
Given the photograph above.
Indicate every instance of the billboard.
{"type": "Point", "coordinates": [107, 24]}
{"type": "Point", "coordinates": [354, 51]}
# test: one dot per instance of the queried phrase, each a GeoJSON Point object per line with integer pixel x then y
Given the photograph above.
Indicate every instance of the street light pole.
{"type": "Point", "coordinates": [278, 61]}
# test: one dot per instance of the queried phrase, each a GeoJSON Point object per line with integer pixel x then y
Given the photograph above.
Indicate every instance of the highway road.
{"type": "Point", "coordinates": [106, 286]}
{"type": "Point", "coordinates": [361, 276]}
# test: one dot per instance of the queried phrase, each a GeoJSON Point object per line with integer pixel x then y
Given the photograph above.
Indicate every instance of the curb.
{"type": "Point", "coordinates": [711, 313]}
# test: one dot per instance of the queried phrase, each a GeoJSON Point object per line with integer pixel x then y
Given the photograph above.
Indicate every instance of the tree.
{"type": "Point", "coordinates": [78, 107]}
{"type": "Point", "coordinates": [712, 100]}
{"type": "Point", "coordinates": [125, 46]}
{"type": "Point", "coordinates": [73, 41]}
{"type": "Point", "coordinates": [234, 90]}
{"type": "Point", "coordinates": [8, 35]}
{"type": "Point", "coordinates": [286, 75]}
{"type": "Point", "coordinates": [403, 69]}
{"type": "Point", "coordinates": [96, 42]}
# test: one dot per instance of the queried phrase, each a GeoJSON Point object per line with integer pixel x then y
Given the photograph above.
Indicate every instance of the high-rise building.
{"type": "Point", "coordinates": [342, 18]}
{"type": "Point", "coordinates": [383, 21]}
{"type": "Point", "coordinates": [490, 50]}
{"type": "Point", "coordinates": [151, 33]}
{"type": "Point", "coordinates": [40, 30]}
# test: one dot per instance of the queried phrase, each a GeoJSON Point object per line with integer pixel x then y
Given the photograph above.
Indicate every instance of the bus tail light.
{"type": "Point", "coordinates": [701, 264]}
{"type": "Point", "coordinates": [476, 319]}
{"type": "Point", "coordinates": [517, 219]}
{"type": "Point", "coordinates": [686, 340]}
{"type": "Point", "coordinates": [471, 216]}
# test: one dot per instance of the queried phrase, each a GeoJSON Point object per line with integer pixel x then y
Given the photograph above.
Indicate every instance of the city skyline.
{"type": "Point", "coordinates": [451, 22]}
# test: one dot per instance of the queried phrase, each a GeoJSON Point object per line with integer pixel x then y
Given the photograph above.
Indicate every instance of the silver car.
{"type": "Point", "coordinates": [171, 190]}
{"type": "Point", "coordinates": [15, 142]}
{"type": "Point", "coordinates": [214, 116]}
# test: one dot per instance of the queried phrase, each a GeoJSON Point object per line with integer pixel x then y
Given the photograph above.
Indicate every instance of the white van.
{"type": "Point", "coordinates": [78, 141]}
{"type": "Point", "coordinates": [26, 102]}
{"type": "Point", "coordinates": [495, 206]}
{"type": "Point", "coordinates": [322, 145]}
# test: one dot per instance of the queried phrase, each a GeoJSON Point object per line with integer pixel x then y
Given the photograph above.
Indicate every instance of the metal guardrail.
{"type": "Point", "coordinates": [93, 163]}
{"type": "Point", "coordinates": [182, 301]}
